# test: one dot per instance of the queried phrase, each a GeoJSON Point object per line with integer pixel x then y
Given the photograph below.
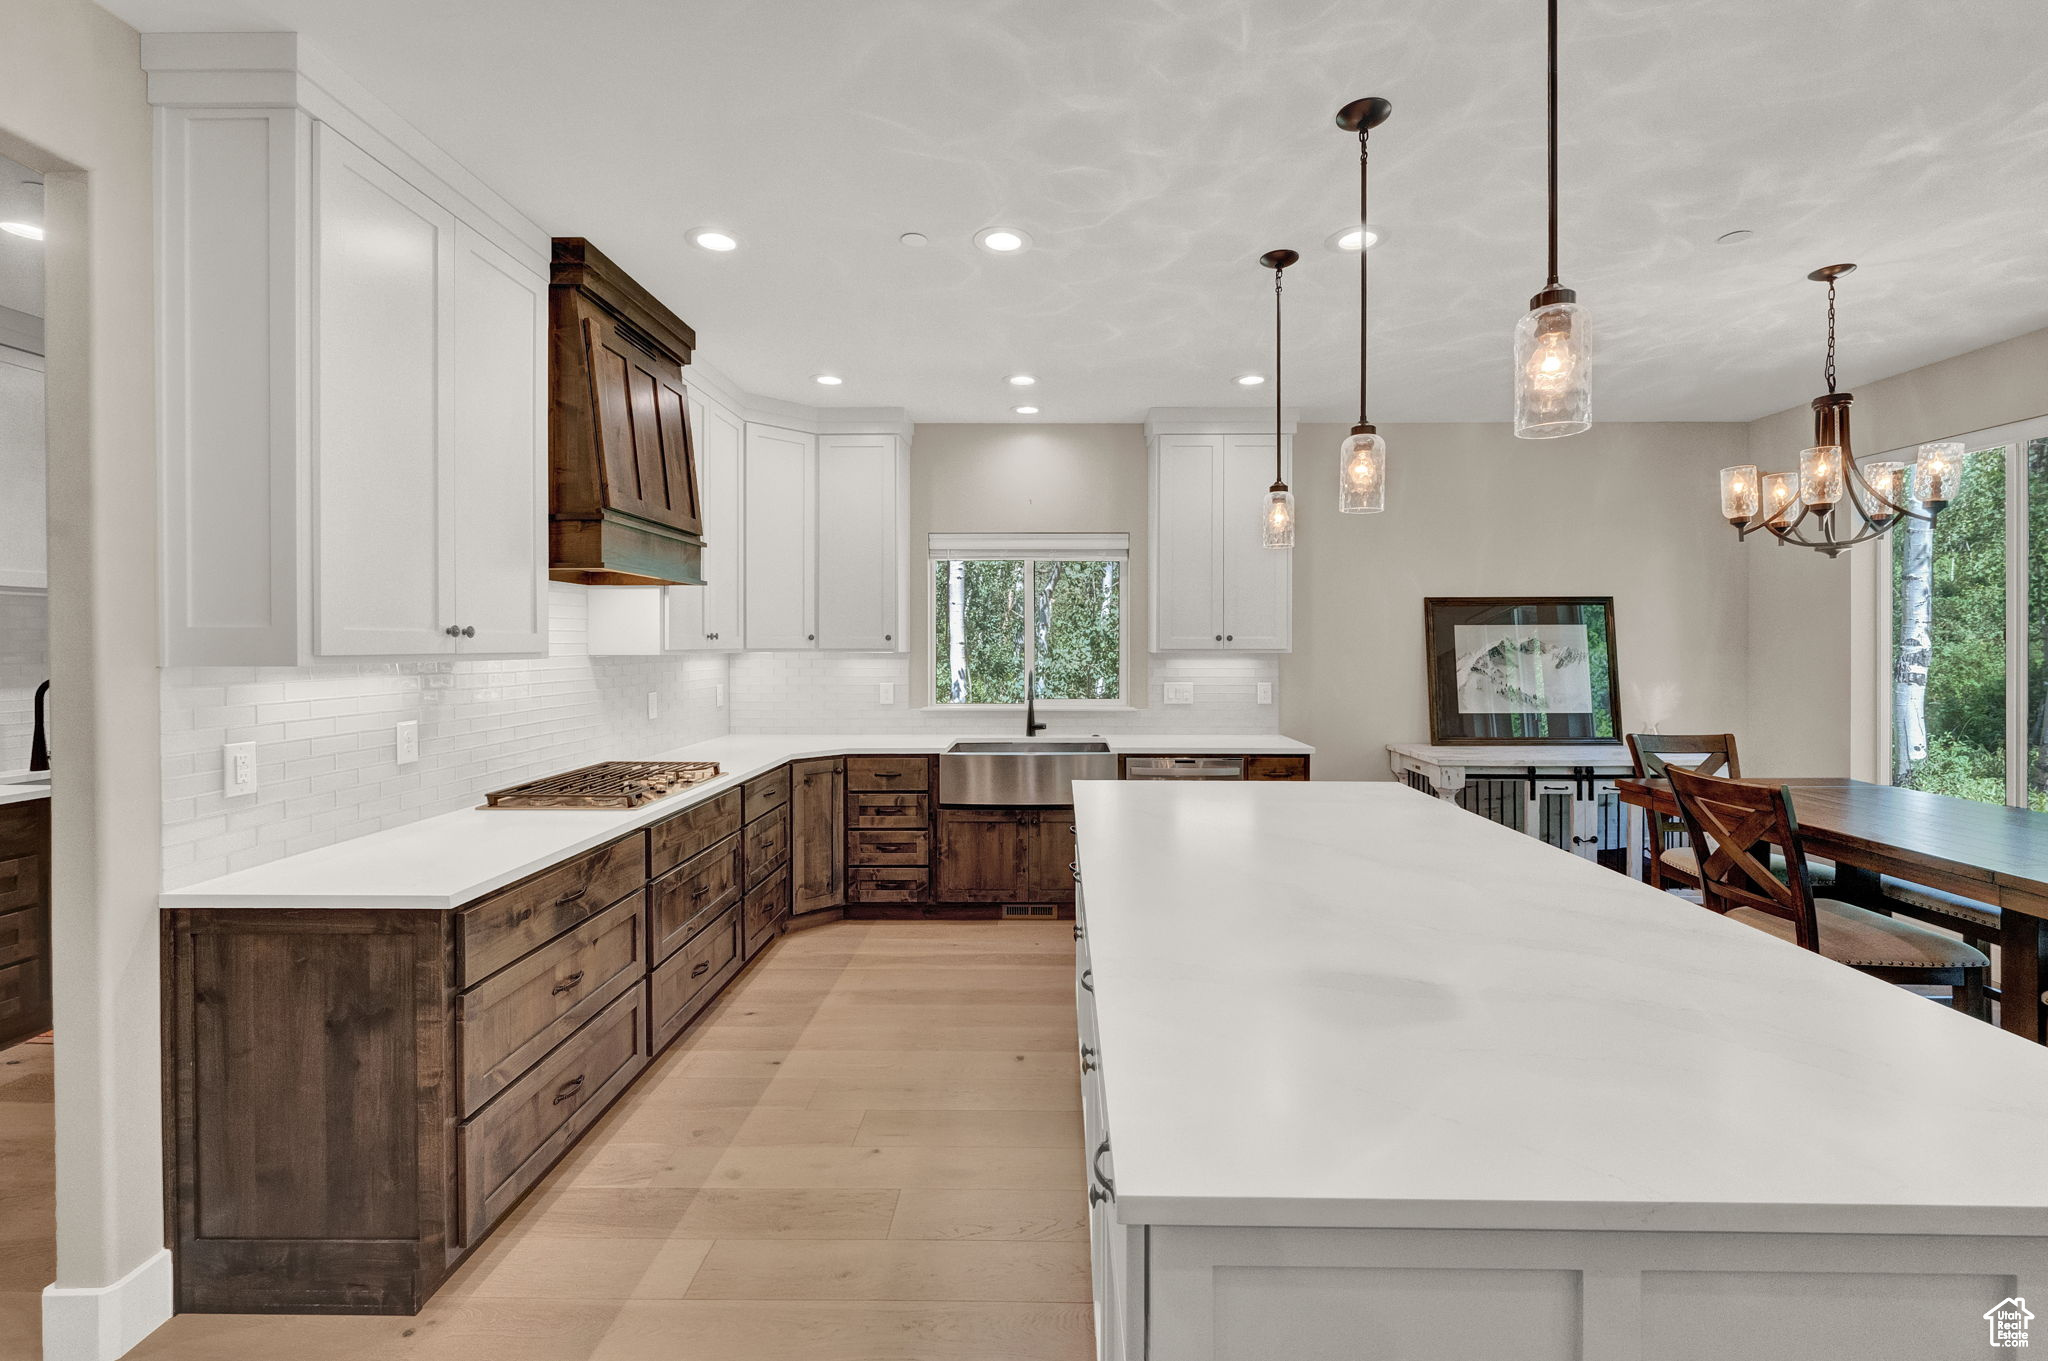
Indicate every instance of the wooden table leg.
{"type": "Point", "coordinates": [2019, 974]}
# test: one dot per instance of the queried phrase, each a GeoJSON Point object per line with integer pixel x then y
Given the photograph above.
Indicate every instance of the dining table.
{"type": "Point", "coordinates": [1988, 852]}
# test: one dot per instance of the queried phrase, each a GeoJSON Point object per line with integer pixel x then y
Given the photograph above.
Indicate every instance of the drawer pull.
{"type": "Point", "coordinates": [887, 774]}
{"type": "Point", "coordinates": [697, 893]}
{"type": "Point", "coordinates": [568, 1089]}
{"type": "Point", "coordinates": [1095, 1165]}
{"type": "Point", "coordinates": [703, 967]}
{"type": "Point", "coordinates": [1096, 1196]}
{"type": "Point", "coordinates": [1088, 1053]}
{"type": "Point", "coordinates": [1088, 979]}
{"type": "Point", "coordinates": [570, 897]}
{"type": "Point", "coordinates": [568, 984]}
{"type": "Point", "coordinates": [1074, 868]}
{"type": "Point", "coordinates": [1077, 930]}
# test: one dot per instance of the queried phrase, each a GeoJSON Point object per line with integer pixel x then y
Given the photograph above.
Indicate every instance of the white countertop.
{"type": "Point", "coordinates": [23, 786]}
{"type": "Point", "coordinates": [443, 862]}
{"type": "Point", "coordinates": [1348, 1004]}
{"type": "Point", "coordinates": [1607, 755]}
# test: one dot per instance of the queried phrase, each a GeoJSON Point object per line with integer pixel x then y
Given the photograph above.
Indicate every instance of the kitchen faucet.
{"type": "Point", "coordinates": [1032, 727]}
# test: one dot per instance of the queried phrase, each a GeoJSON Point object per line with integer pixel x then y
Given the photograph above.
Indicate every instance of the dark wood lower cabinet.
{"type": "Point", "coordinates": [817, 835]}
{"type": "Point", "coordinates": [24, 920]}
{"type": "Point", "coordinates": [1005, 855]}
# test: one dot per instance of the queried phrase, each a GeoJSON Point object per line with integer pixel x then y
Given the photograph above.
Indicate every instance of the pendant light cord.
{"type": "Point", "coordinates": [1364, 292]}
{"type": "Point", "coordinates": [1279, 382]}
{"type": "Point", "coordinates": [1552, 97]}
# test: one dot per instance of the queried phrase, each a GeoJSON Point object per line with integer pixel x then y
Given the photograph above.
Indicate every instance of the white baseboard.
{"type": "Point", "coordinates": [100, 1323]}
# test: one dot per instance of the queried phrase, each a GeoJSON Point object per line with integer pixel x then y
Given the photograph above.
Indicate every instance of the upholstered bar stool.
{"type": "Point", "coordinates": [1703, 754]}
{"type": "Point", "coordinates": [1731, 823]}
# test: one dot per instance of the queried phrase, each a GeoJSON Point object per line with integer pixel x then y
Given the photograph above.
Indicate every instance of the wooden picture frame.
{"type": "Point", "coordinates": [1525, 671]}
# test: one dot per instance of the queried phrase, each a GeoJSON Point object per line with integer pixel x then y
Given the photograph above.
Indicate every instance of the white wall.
{"type": "Point", "coordinates": [326, 755]}
{"type": "Point", "coordinates": [1622, 510]}
{"type": "Point", "coordinates": [24, 664]}
{"type": "Point", "coordinates": [72, 106]}
{"type": "Point", "coordinates": [1813, 668]}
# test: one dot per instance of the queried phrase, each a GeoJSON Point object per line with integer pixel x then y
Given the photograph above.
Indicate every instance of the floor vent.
{"type": "Point", "coordinates": [1030, 910]}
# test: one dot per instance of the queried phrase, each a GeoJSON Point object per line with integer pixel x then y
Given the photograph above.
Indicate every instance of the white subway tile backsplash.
{"type": "Point", "coordinates": [24, 664]}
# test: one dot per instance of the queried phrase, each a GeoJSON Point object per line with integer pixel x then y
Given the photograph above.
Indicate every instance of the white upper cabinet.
{"type": "Point", "coordinates": [860, 549]}
{"type": "Point", "coordinates": [353, 376]}
{"type": "Point", "coordinates": [707, 618]}
{"type": "Point", "coordinates": [1215, 585]}
{"type": "Point", "coordinates": [825, 540]}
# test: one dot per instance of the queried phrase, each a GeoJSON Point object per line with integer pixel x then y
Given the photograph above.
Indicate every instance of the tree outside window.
{"type": "Point", "coordinates": [996, 620]}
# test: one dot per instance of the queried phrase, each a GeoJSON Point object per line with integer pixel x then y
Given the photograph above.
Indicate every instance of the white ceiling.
{"type": "Point", "coordinates": [1154, 148]}
{"type": "Point", "coordinates": [21, 260]}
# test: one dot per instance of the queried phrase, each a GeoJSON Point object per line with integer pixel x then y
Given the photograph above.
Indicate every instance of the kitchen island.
{"type": "Point", "coordinates": [1366, 1075]}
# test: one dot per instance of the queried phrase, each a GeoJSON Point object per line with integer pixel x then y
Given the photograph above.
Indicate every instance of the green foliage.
{"type": "Point", "coordinates": [1075, 614]}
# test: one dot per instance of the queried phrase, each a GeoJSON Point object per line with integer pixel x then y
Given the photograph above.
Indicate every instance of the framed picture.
{"type": "Point", "coordinates": [1521, 669]}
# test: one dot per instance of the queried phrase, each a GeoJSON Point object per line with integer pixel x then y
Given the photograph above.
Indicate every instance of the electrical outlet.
{"type": "Point", "coordinates": [886, 692]}
{"type": "Point", "coordinates": [408, 735]}
{"type": "Point", "coordinates": [721, 696]}
{"type": "Point", "coordinates": [654, 704]}
{"type": "Point", "coordinates": [238, 769]}
{"type": "Point", "coordinates": [1265, 692]}
{"type": "Point", "coordinates": [1180, 692]}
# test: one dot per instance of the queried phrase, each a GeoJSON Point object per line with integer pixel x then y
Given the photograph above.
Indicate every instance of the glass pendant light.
{"type": "Point", "coordinates": [1553, 358]}
{"type": "Point", "coordinates": [1362, 458]}
{"type": "Point", "coordinates": [1279, 500]}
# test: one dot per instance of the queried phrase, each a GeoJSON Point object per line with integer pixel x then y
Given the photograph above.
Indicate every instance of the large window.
{"type": "Point", "coordinates": [1968, 711]}
{"type": "Point", "coordinates": [1007, 608]}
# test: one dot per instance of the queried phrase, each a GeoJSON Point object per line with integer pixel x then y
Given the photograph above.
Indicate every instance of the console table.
{"type": "Point", "coordinates": [1564, 795]}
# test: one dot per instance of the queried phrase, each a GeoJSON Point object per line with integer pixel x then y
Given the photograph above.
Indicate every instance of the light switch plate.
{"type": "Point", "coordinates": [654, 704]}
{"type": "Point", "coordinates": [1180, 692]}
{"type": "Point", "coordinates": [887, 692]}
{"type": "Point", "coordinates": [1265, 692]}
{"type": "Point", "coordinates": [408, 741]}
{"type": "Point", "coordinates": [238, 769]}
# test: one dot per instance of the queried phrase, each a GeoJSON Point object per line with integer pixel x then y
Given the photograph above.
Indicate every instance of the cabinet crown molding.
{"type": "Point", "coordinates": [1217, 420]}
{"type": "Point", "coordinates": [815, 420]}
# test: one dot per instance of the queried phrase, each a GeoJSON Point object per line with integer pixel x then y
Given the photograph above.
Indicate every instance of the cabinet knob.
{"type": "Point", "coordinates": [888, 637]}
{"type": "Point", "coordinates": [453, 631]}
{"type": "Point", "coordinates": [811, 637]}
{"type": "Point", "coordinates": [469, 631]}
{"type": "Point", "coordinates": [1219, 637]}
{"type": "Point", "coordinates": [1229, 637]}
{"type": "Point", "coordinates": [1087, 1058]}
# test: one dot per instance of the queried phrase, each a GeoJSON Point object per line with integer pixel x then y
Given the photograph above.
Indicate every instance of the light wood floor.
{"type": "Point", "coordinates": [869, 1151]}
{"type": "Point", "coordinates": [28, 1198]}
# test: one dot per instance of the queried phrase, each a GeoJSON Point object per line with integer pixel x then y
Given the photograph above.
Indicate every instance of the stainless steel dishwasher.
{"type": "Point", "coordinates": [1184, 767]}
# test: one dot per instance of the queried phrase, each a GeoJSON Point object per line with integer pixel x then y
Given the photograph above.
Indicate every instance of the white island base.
{"type": "Point", "coordinates": [1367, 1077]}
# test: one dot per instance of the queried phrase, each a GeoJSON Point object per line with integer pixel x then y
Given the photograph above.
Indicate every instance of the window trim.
{"type": "Point", "coordinates": [1031, 549]}
{"type": "Point", "coordinates": [2014, 436]}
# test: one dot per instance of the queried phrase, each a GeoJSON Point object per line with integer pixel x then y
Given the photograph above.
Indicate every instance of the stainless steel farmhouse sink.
{"type": "Point", "coordinates": [1020, 774]}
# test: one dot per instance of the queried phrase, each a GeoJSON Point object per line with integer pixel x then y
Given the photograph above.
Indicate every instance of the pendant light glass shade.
{"type": "Point", "coordinates": [1739, 493]}
{"type": "Point", "coordinates": [1888, 482]}
{"type": "Point", "coordinates": [1935, 472]}
{"type": "Point", "coordinates": [1362, 474]}
{"type": "Point", "coordinates": [1781, 494]}
{"type": "Point", "coordinates": [1820, 475]}
{"type": "Point", "coordinates": [1553, 372]}
{"type": "Point", "coordinates": [1280, 518]}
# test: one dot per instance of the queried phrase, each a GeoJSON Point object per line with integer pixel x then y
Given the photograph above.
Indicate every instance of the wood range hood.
{"type": "Point", "coordinates": [623, 503]}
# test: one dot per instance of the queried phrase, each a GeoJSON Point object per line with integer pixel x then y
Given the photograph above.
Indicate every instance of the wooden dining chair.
{"type": "Point", "coordinates": [1733, 826]}
{"type": "Point", "coordinates": [1671, 862]}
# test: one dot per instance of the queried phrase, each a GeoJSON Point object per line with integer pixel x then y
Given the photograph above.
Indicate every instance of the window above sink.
{"type": "Point", "coordinates": [1007, 606]}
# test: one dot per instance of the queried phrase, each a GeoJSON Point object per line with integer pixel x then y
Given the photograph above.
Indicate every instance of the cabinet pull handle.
{"type": "Point", "coordinates": [697, 893]}
{"type": "Point", "coordinates": [570, 897]}
{"type": "Point", "coordinates": [1074, 868]}
{"type": "Point", "coordinates": [568, 1089]}
{"type": "Point", "coordinates": [569, 984]}
{"type": "Point", "coordinates": [1088, 1053]}
{"type": "Point", "coordinates": [703, 967]}
{"type": "Point", "coordinates": [1088, 979]}
{"type": "Point", "coordinates": [888, 637]}
{"type": "Point", "coordinates": [888, 774]}
{"type": "Point", "coordinates": [1095, 1165]}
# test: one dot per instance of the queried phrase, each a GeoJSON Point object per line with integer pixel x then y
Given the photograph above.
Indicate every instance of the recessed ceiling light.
{"type": "Point", "coordinates": [1734, 238]}
{"type": "Point", "coordinates": [830, 380]}
{"type": "Point", "coordinates": [1250, 380]}
{"type": "Point", "coordinates": [1021, 380]}
{"type": "Point", "coordinates": [711, 240]}
{"type": "Point", "coordinates": [914, 239]}
{"type": "Point", "coordinates": [27, 229]}
{"type": "Point", "coordinates": [1025, 410]}
{"type": "Point", "coordinates": [1346, 238]}
{"type": "Point", "coordinates": [1001, 240]}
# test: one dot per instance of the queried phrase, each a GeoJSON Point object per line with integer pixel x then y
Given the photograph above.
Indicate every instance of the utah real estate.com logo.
{"type": "Point", "coordinates": [2008, 1321]}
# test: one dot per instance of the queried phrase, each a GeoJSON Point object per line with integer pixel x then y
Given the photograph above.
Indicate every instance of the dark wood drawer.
{"type": "Point", "coordinates": [686, 900]}
{"type": "Point", "coordinates": [672, 842]}
{"type": "Point", "coordinates": [1276, 767]}
{"type": "Point", "coordinates": [686, 984]}
{"type": "Point", "coordinates": [872, 884]}
{"type": "Point", "coordinates": [888, 773]}
{"type": "Point", "coordinates": [887, 810]}
{"type": "Point", "coordinates": [767, 907]}
{"type": "Point", "coordinates": [21, 936]}
{"type": "Point", "coordinates": [766, 793]}
{"type": "Point", "coordinates": [514, 1141]}
{"type": "Point", "coordinates": [510, 1021]}
{"type": "Point", "coordinates": [21, 881]}
{"type": "Point", "coordinates": [888, 848]}
{"type": "Point", "coordinates": [21, 991]}
{"type": "Point", "coordinates": [766, 846]}
{"type": "Point", "coordinates": [521, 919]}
